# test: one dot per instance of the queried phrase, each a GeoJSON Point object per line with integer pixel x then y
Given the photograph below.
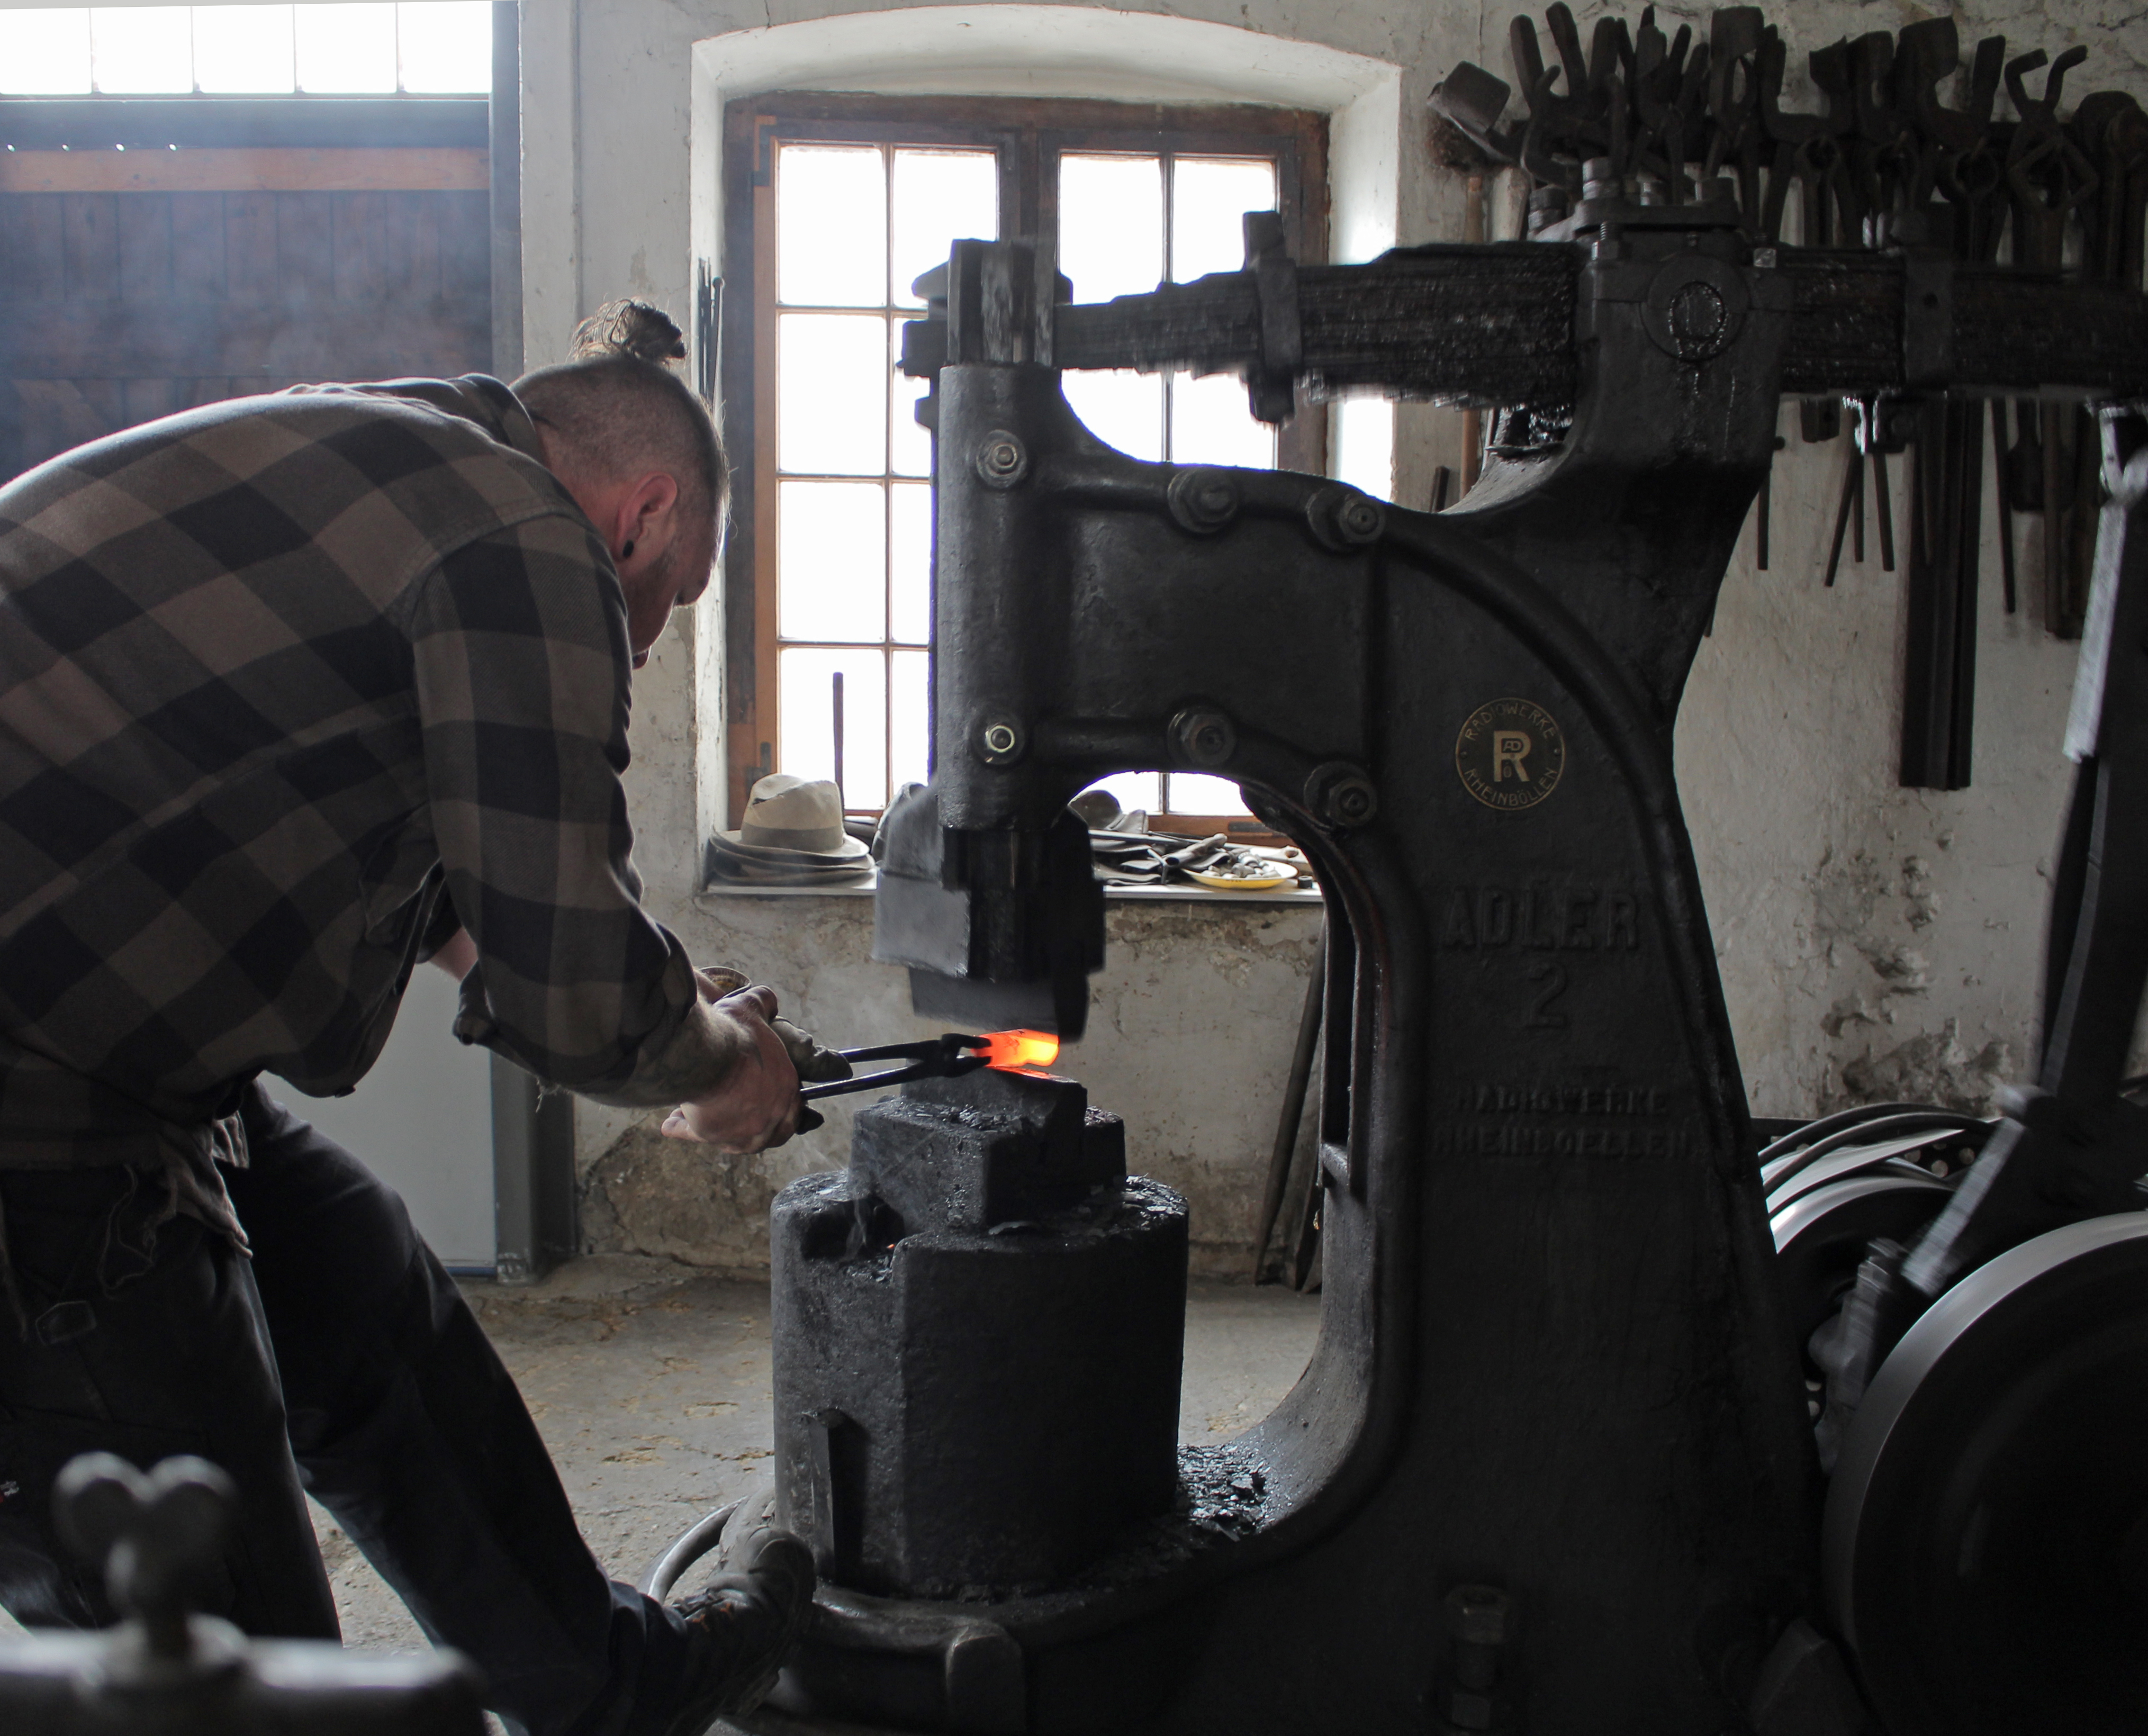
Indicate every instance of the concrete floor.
{"type": "Point", "coordinates": [652, 1391]}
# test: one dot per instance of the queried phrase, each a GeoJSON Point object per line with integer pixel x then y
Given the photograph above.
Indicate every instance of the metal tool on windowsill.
{"type": "Point", "coordinates": [948, 1056]}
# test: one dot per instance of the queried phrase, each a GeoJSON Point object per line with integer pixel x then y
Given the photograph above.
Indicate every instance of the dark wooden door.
{"type": "Point", "coordinates": [134, 284]}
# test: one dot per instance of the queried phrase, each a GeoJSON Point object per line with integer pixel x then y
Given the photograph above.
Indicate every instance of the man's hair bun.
{"type": "Point", "coordinates": [629, 329]}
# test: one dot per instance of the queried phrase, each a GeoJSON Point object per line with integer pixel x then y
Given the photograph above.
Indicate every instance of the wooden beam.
{"type": "Point", "coordinates": [273, 340]}
{"type": "Point", "coordinates": [436, 168]}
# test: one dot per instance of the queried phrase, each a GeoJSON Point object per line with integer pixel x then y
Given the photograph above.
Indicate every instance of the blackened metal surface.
{"type": "Point", "coordinates": [1495, 325]}
{"type": "Point", "coordinates": [55, 1684]}
{"type": "Point", "coordinates": [164, 1669]}
{"type": "Point", "coordinates": [1984, 1527]}
{"type": "Point", "coordinates": [999, 929]}
{"type": "Point", "coordinates": [1533, 1145]}
{"type": "Point", "coordinates": [1482, 324]}
{"type": "Point", "coordinates": [977, 1152]}
{"type": "Point", "coordinates": [977, 1339]}
{"type": "Point", "coordinates": [1555, 1360]}
{"type": "Point", "coordinates": [1845, 324]}
{"type": "Point", "coordinates": [2013, 328]}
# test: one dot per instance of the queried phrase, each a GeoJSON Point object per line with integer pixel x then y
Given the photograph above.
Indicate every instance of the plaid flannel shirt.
{"type": "Point", "coordinates": [289, 686]}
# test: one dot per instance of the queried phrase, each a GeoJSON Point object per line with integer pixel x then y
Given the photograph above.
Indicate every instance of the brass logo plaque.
{"type": "Point", "coordinates": [1510, 753]}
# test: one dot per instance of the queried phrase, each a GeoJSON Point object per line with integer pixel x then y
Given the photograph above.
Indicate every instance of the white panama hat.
{"type": "Point", "coordinates": [794, 822]}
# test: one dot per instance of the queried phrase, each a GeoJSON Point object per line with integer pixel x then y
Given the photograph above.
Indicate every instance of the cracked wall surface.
{"type": "Point", "coordinates": [1875, 942]}
{"type": "Point", "coordinates": [1192, 1021]}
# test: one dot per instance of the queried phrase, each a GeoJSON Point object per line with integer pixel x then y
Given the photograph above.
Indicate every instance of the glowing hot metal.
{"type": "Point", "coordinates": [1020, 1048]}
{"type": "Point", "coordinates": [944, 1057]}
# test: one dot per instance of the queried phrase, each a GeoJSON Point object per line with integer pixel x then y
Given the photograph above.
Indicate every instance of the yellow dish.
{"type": "Point", "coordinates": [1226, 883]}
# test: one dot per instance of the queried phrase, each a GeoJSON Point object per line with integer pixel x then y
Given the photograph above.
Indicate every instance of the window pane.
{"type": "Point", "coordinates": [1212, 424]}
{"type": "Point", "coordinates": [244, 49]}
{"type": "Point", "coordinates": [346, 48]}
{"type": "Point", "coordinates": [1110, 225]}
{"type": "Point", "coordinates": [1209, 199]}
{"type": "Point", "coordinates": [1363, 434]}
{"type": "Point", "coordinates": [1192, 792]}
{"type": "Point", "coordinates": [831, 226]}
{"type": "Point", "coordinates": [1122, 408]}
{"type": "Point", "coordinates": [832, 556]}
{"type": "Point", "coordinates": [939, 198]}
{"type": "Point", "coordinates": [831, 394]}
{"type": "Point", "coordinates": [45, 53]}
{"type": "Point", "coordinates": [808, 720]}
{"type": "Point", "coordinates": [445, 45]}
{"type": "Point", "coordinates": [1142, 790]}
{"type": "Point", "coordinates": [910, 563]}
{"type": "Point", "coordinates": [909, 447]}
{"type": "Point", "coordinates": [141, 49]}
{"type": "Point", "coordinates": [910, 751]}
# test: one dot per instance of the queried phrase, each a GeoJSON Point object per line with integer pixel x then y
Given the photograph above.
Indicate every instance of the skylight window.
{"type": "Point", "coordinates": [424, 46]}
{"type": "Point", "coordinates": [243, 50]}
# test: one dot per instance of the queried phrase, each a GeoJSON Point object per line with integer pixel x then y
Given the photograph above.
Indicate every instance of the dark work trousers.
{"type": "Point", "coordinates": [339, 1360]}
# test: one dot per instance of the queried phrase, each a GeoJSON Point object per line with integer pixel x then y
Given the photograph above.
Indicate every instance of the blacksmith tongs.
{"type": "Point", "coordinates": [943, 1057]}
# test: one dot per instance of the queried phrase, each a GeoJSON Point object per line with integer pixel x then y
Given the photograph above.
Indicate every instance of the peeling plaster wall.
{"type": "Point", "coordinates": [1191, 1028]}
{"type": "Point", "coordinates": [1875, 941]}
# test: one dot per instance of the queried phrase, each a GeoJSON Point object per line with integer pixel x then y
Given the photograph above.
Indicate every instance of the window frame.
{"type": "Point", "coordinates": [1028, 134]}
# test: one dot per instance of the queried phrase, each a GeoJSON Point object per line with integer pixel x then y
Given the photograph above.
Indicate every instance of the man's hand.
{"type": "Point", "coordinates": [758, 1105]}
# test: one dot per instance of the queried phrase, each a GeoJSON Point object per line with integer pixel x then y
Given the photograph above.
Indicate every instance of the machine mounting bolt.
{"type": "Point", "coordinates": [1477, 1614]}
{"type": "Point", "coordinates": [999, 741]}
{"type": "Point", "coordinates": [1342, 794]}
{"type": "Point", "coordinates": [1360, 521]}
{"type": "Point", "coordinates": [1002, 460]}
{"type": "Point", "coordinates": [1343, 519]}
{"type": "Point", "coordinates": [1202, 500]}
{"type": "Point", "coordinates": [1203, 735]}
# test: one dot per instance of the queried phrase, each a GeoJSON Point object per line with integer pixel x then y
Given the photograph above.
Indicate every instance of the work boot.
{"type": "Point", "coordinates": [740, 1627]}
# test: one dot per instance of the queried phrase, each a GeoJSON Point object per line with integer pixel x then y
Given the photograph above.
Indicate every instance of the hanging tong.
{"type": "Point", "coordinates": [948, 1057]}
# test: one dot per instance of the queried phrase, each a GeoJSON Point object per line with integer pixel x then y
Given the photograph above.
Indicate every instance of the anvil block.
{"type": "Point", "coordinates": [988, 1148]}
{"type": "Point", "coordinates": [977, 1387]}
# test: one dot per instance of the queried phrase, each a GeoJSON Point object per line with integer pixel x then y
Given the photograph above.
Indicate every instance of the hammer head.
{"type": "Point", "coordinates": [999, 929]}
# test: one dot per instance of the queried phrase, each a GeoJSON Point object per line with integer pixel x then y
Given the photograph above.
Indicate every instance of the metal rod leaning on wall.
{"type": "Point", "coordinates": [837, 724]}
{"type": "Point", "coordinates": [1293, 1115]}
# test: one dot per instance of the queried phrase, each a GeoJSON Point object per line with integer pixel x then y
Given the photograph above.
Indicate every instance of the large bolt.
{"type": "Point", "coordinates": [1202, 500]}
{"type": "Point", "coordinates": [1002, 460]}
{"type": "Point", "coordinates": [1468, 1711]}
{"type": "Point", "coordinates": [1204, 737]}
{"type": "Point", "coordinates": [1477, 1623]}
{"type": "Point", "coordinates": [1343, 519]}
{"type": "Point", "coordinates": [1478, 1620]}
{"type": "Point", "coordinates": [1342, 794]}
{"type": "Point", "coordinates": [999, 741]}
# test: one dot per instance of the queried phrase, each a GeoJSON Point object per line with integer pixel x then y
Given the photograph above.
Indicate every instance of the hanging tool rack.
{"type": "Point", "coordinates": [1887, 166]}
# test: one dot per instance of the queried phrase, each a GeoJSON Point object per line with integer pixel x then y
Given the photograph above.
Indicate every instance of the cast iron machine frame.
{"type": "Point", "coordinates": [1551, 1360]}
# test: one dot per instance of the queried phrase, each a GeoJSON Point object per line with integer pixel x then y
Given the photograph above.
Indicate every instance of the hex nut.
{"type": "Point", "coordinates": [1202, 500]}
{"type": "Point", "coordinates": [1468, 1711]}
{"type": "Point", "coordinates": [1477, 1614]}
{"type": "Point", "coordinates": [1343, 520]}
{"type": "Point", "coordinates": [1340, 794]}
{"type": "Point", "coordinates": [1002, 460]}
{"type": "Point", "coordinates": [1204, 737]}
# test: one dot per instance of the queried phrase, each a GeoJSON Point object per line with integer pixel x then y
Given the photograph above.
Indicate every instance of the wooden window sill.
{"type": "Point", "coordinates": [713, 896]}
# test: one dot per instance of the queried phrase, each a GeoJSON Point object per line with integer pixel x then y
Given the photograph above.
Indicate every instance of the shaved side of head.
{"type": "Point", "coordinates": [614, 410]}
